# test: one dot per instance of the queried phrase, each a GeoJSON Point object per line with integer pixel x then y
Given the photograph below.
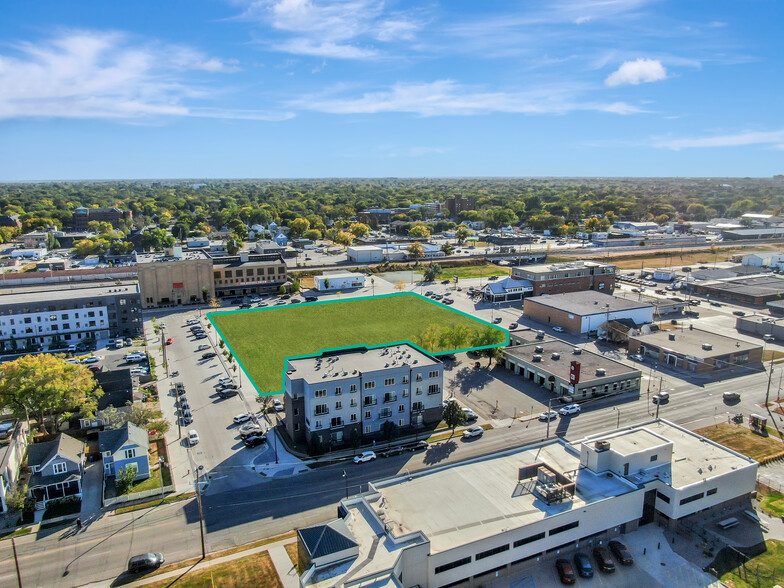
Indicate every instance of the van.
{"type": "Point", "coordinates": [118, 343]}
{"type": "Point", "coordinates": [728, 523]}
{"type": "Point", "coordinates": [193, 437]}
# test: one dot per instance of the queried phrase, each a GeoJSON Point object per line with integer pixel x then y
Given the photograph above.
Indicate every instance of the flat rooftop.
{"type": "Point", "coordinates": [690, 342]}
{"type": "Point", "coordinates": [761, 285]}
{"type": "Point", "coordinates": [587, 302]}
{"type": "Point", "coordinates": [544, 268]}
{"type": "Point", "coordinates": [694, 458]}
{"type": "Point", "coordinates": [589, 361]}
{"type": "Point", "coordinates": [160, 257]}
{"type": "Point", "coordinates": [62, 292]}
{"type": "Point", "coordinates": [319, 368]}
{"type": "Point", "coordinates": [340, 275]}
{"type": "Point", "coordinates": [467, 502]}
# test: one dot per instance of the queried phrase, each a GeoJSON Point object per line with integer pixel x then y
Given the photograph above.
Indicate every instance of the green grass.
{"type": "Point", "coordinates": [773, 504]}
{"type": "Point", "coordinates": [157, 502]}
{"type": "Point", "coordinates": [475, 271]}
{"type": "Point", "coordinates": [251, 570]}
{"type": "Point", "coordinates": [261, 339]}
{"type": "Point", "coordinates": [763, 571]}
{"type": "Point", "coordinates": [16, 533]}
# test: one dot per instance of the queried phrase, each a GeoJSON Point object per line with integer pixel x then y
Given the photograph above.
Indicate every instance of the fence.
{"type": "Point", "coordinates": [154, 493]}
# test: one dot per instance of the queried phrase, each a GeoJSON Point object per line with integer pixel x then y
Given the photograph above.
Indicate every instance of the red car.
{"type": "Point", "coordinates": [565, 571]}
{"type": "Point", "coordinates": [170, 340]}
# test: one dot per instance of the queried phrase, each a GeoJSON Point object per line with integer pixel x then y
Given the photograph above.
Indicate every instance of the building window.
{"type": "Point", "coordinates": [452, 565]}
{"type": "Point", "coordinates": [662, 497]}
{"type": "Point", "coordinates": [419, 377]}
{"type": "Point", "coordinates": [433, 374]}
{"type": "Point", "coordinates": [417, 406]}
{"type": "Point", "coordinates": [385, 413]}
{"type": "Point", "coordinates": [401, 423]}
{"type": "Point", "coordinates": [227, 274]}
{"type": "Point", "coordinates": [59, 467]}
{"type": "Point", "coordinates": [317, 425]}
{"type": "Point", "coordinates": [321, 409]}
{"type": "Point", "coordinates": [320, 393]}
{"type": "Point", "coordinates": [367, 415]}
{"type": "Point", "coordinates": [418, 391]}
{"type": "Point", "coordinates": [353, 402]}
{"type": "Point", "coordinates": [389, 382]}
{"type": "Point", "coordinates": [370, 385]}
{"type": "Point", "coordinates": [711, 492]}
{"type": "Point", "coordinates": [129, 453]}
{"type": "Point", "coordinates": [405, 379]}
{"type": "Point", "coordinates": [491, 552]}
{"type": "Point", "coordinates": [296, 426]}
{"type": "Point", "coordinates": [564, 528]}
{"type": "Point", "coordinates": [353, 388]}
{"type": "Point", "coordinates": [338, 405]}
{"type": "Point", "coordinates": [370, 401]}
{"type": "Point", "coordinates": [691, 498]}
{"type": "Point", "coordinates": [353, 417]}
{"type": "Point", "coordinates": [530, 539]}
{"type": "Point", "coordinates": [434, 389]}
{"type": "Point", "coordinates": [405, 392]}
{"type": "Point", "coordinates": [296, 412]}
{"type": "Point", "coordinates": [654, 457]}
{"type": "Point", "coordinates": [336, 422]}
{"type": "Point", "coordinates": [390, 397]}
{"type": "Point", "coordinates": [368, 428]}
{"type": "Point", "coordinates": [338, 391]}
{"type": "Point", "coordinates": [401, 408]}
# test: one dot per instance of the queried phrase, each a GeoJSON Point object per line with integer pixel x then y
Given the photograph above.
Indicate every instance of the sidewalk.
{"type": "Point", "coordinates": [277, 551]}
{"type": "Point", "coordinates": [92, 489]}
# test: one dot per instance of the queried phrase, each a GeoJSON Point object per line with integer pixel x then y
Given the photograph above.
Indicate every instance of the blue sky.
{"type": "Point", "coordinates": [360, 88]}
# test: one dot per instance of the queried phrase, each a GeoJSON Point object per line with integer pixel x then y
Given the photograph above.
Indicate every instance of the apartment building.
{"type": "Point", "coordinates": [570, 276]}
{"type": "Point", "coordinates": [331, 395]}
{"type": "Point", "coordinates": [473, 522]}
{"type": "Point", "coordinates": [83, 216]}
{"type": "Point", "coordinates": [68, 315]}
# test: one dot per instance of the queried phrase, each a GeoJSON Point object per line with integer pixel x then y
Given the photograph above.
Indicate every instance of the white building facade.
{"type": "Point", "coordinates": [339, 281]}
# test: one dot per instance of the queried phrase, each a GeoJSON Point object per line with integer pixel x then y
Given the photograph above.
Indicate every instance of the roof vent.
{"type": "Point", "coordinates": [601, 371]}
{"type": "Point", "coordinates": [672, 336]}
{"type": "Point", "coordinates": [354, 372]}
{"type": "Point", "coordinates": [601, 445]}
{"type": "Point", "coordinates": [416, 361]}
{"type": "Point", "coordinates": [577, 351]}
{"type": "Point", "coordinates": [537, 358]}
{"type": "Point", "coordinates": [555, 356]}
{"type": "Point", "coordinates": [386, 365]}
{"type": "Point", "coordinates": [707, 346]}
{"type": "Point", "coordinates": [538, 349]}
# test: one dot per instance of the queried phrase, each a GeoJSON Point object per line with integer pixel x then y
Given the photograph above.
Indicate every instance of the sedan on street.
{"type": "Point", "coordinates": [208, 355]}
{"type": "Point", "coordinates": [365, 456]}
{"type": "Point", "coordinates": [570, 409]}
{"type": "Point", "coordinates": [241, 418]}
{"type": "Point", "coordinates": [471, 432]}
{"type": "Point", "coordinates": [254, 440]}
{"type": "Point", "coordinates": [549, 415]}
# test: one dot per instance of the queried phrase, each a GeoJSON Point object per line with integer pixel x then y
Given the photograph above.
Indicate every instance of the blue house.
{"type": "Point", "coordinates": [123, 447]}
{"type": "Point", "coordinates": [281, 239]}
{"type": "Point", "coordinates": [57, 469]}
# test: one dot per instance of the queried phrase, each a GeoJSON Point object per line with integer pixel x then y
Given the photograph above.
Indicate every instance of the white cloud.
{"type": "Point", "coordinates": [446, 97]}
{"type": "Point", "coordinates": [100, 75]}
{"type": "Point", "coordinates": [637, 72]}
{"type": "Point", "coordinates": [737, 140]}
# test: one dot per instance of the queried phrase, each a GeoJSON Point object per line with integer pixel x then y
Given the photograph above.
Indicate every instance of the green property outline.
{"type": "Point", "coordinates": [210, 315]}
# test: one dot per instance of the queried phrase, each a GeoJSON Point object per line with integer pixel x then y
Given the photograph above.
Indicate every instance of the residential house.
{"type": "Point", "coordinates": [13, 443]}
{"type": "Point", "coordinates": [57, 467]}
{"type": "Point", "coordinates": [125, 447]}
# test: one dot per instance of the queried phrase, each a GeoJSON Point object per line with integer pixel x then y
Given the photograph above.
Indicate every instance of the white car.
{"type": "Point", "coordinates": [280, 303]}
{"type": "Point", "coordinates": [139, 372]}
{"type": "Point", "coordinates": [475, 431]}
{"type": "Point", "coordinates": [223, 381]}
{"type": "Point", "coordinates": [241, 418]}
{"type": "Point", "coordinates": [365, 456]}
{"type": "Point", "coordinates": [72, 360]}
{"type": "Point", "coordinates": [277, 405]}
{"type": "Point", "coordinates": [192, 322]}
{"type": "Point", "coordinates": [570, 409]}
{"type": "Point", "coordinates": [93, 359]}
{"type": "Point", "coordinates": [558, 329]}
{"type": "Point", "coordinates": [203, 347]}
{"type": "Point", "coordinates": [548, 415]}
{"type": "Point", "coordinates": [193, 437]}
{"type": "Point", "coordinates": [254, 299]}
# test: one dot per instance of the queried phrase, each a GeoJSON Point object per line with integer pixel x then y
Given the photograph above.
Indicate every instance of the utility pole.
{"type": "Point", "coordinates": [201, 515]}
{"type": "Point", "coordinates": [658, 404]}
{"type": "Point", "coordinates": [549, 408]}
{"type": "Point", "coordinates": [16, 562]}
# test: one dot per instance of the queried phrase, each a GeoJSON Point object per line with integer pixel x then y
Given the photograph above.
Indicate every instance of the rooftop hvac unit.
{"type": "Point", "coordinates": [707, 346]}
{"type": "Point", "coordinates": [537, 358]}
{"type": "Point", "coordinates": [555, 356]}
{"type": "Point", "coordinates": [672, 336]}
{"type": "Point", "coordinates": [602, 445]}
{"type": "Point", "coordinates": [577, 351]}
{"type": "Point", "coordinates": [601, 371]}
{"type": "Point", "coordinates": [538, 349]}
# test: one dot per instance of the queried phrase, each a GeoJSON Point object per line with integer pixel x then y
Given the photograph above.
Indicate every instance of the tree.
{"type": "Point", "coordinates": [157, 240]}
{"type": "Point", "coordinates": [390, 431]}
{"type": "Point", "coordinates": [499, 217]}
{"type": "Point", "coordinates": [205, 294]}
{"type": "Point", "coordinates": [487, 338]}
{"type": "Point", "coordinates": [344, 238]}
{"type": "Point", "coordinates": [432, 272]}
{"type": "Point", "coordinates": [354, 438]}
{"type": "Point", "coordinates": [400, 286]}
{"type": "Point", "coordinates": [298, 227]}
{"type": "Point", "coordinates": [462, 234]}
{"type": "Point", "coordinates": [140, 414]}
{"type": "Point", "coordinates": [419, 232]}
{"type": "Point", "coordinates": [415, 250]}
{"type": "Point", "coordinates": [125, 478]}
{"type": "Point", "coordinates": [282, 290]}
{"type": "Point", "coordinates": [453, 416]}
{"type": "Point", "coordinates": [214, 303]}
{"type": "Point", "coordinates": [47, 388]}
{"type": "Point", "coordinates": [313, 234]}
{"type": "Point", "coordinates": [447, 248]}
{"type": "Point", "coordinates": [359, 230]}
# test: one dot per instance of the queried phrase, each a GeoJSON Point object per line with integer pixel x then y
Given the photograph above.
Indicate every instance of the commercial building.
{"type": "Point", "coordinates": [763, 259]}
{"type": "Point", "coordinates": [695, 350]}
{"type": "Point", "coordinates": [365, 254]}
{"type": "Point", "coordinates": [755, 290]}
{"type": "Point", "coordinates": [245, 274]}
{"type": "Point", "coordinates": [776, 307]}
{"type": "Point", "coordinates": [639, 227]}
{"type": "Point", "coordinates": [468, 523]}
{"type": "Point", "coordinates": [83, 216]}
{"type": "Point", "coordinates": [338, 281]}
{"type": "Point", "coordinates": [584, 312]}
{"type": "Point", "coordinates": [761, 325]}
{"type": "Point", "coordinates": [330, 396]}
{"type": "Point", "coordinates": [571, 276]}
{"type": "Point", "coordinates": [175, 278]}
{"type": "Point", "coordinates": [507, 289]}
{"type": "Point", "coordinates": [567, 370]}
{"type": "Point", "coordinates": [458, 204]}
{"type": "Point", "coordinates": [69, 315]}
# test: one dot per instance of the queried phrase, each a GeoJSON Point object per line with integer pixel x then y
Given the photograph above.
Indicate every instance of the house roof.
{"type": "Point", "coordinates": [328, 538]}
{"type": "Point", "coordinates": [502, 286]}
{"type": "Point", "coordinates": [112, 440]}
{"type": "Point", "coordinates": [39, 480]}
{"type": "Point", "coordinates": [39, 454]}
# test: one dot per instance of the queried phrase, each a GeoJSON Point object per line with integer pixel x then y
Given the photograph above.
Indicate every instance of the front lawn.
{"type": "Point", "coordinates": [764, 571]}
{"type": "Point", "coordinates": [252, 570]}
{"type": "Point", "coordinates": [262, 338]}
{"type": "Point", "coordinates": [61, 509]}
{"type": "Point", "coordinates": [742, 440]}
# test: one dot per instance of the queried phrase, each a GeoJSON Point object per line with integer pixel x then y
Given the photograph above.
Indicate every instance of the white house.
{"type": "Point", "coordinates": [339, 281]}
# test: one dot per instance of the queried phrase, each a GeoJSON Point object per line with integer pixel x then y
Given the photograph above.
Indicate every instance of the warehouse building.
{"type": "Point", "coordinates": [523, 508]}
{"type": "Point", "coordinates": [585, 312]}
{"type": "Point", "coordinates": [339, 281]}
{"type": "Point", "coordinates": [566, 370]}
{"type": "Point", "coordinates": [570, 276]}
{"type": "Point", "coordinates": [695, 350]}
{"type": "Point", "coordinates": [761, 325]}
{"type": "Point", "coordinates": [365, 254]}
{"type": "Point", "coordinates": [755, 290]}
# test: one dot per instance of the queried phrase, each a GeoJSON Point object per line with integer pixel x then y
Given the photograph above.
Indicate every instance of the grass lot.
{"type": "Point", "coordinates": [262, 338]}
{"type": "Point", "coordinates": [475, 271]}
{"type": "Point", "coordinates": [773, 503]}
{"type": "Point", "coordinates": [763, 571]}
{"type": "Point", "coordinates": [742, 440]}
{"type": "Point", "coordinates": [244, 572]}
{"type": "Point", "coordinates": [16, 533]}
{"type": "Point", "coordinates": [293, 553]}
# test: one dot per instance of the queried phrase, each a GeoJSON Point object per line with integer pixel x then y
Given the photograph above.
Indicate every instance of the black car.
{"type": "Point", "coordinates": [254, 440]}
{"type": "Point", "coordinates": [311, 298]}
{"type": "Point", "coordinates": [582, 564]}
{"type": "Point", "coordinates": [252, 432]}
{"type": "Point", "coordinates": [285, 297]}
{"type": "Point", "coordinates": [444, 281]}
{"type": "Point", "coordinates": [236, 301]}
{"type": "Point", "coordinates": [200, 336]}
{"type": "Point", "coordinates": [603, 559]}
{"type": "Point", "coordinates": [228, 393]}
{"type": "Point", "coordinates": [565, 571]}
{"type": "Point", "coordinates": [419, 446]}
{"type": "Point", "coordinates": [738, 313]}
{"type": "Point", "coordinates": [179, 388]}
{"type": "Point", "coordinates": [245, 305]}
{"type": "Point", "coordinates": [144, 562]}
{"type": "Point", "coordinates": [621, 553]}
{"type": "Point", "coordinates": [295, 301]}
{"type": "Point", "coordinates": [208, 355]}
{"type": "Point", "coordinates": [392, 452]}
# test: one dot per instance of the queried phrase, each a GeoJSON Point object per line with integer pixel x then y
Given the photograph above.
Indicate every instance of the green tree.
{"type": "Point", "coordinates": [453, 416]}
{"type": "Point", "coordinates": [447, 248]}
{"type": "Point", "coordinates": [354, 438]}
{"type": "Point", "coordinates": [415, 250]}
{"type": "Point", "coordinates": [462, 234]}
{"type": "Point", "coordinates": [313, 234]}
{"type": "Point", "coordinates": [298, 227]}
{"type": "Point", "coordinates": [205, 294]}
{"type": "Point", "coordinates": [500, 217]}
{"type": "Point", "coordinates": [390, 431]}
{"type": "Point", "coordinates": [419, 232]}
{"type": "Point", "coordinates": [359, 230]}
{"type": "Point", "coordinates": [432, 272]}
{"type": "Point", "coordinates": [282, 290]}
{"type": "Point", "coordinates": [125, 478]}
{"type": "Point", "coordinates": [344, 238]}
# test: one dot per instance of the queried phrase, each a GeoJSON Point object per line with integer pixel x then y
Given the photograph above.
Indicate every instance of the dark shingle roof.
{"type": "Point", "coordinates": [113, 439]}
{"type": "Point", "coordinates": [331, 537]}
{"type": "Point", "coordinates": [65, 445]}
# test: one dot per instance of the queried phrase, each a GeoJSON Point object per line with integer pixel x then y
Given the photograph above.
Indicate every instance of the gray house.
{"type": "Point", "coordinates": [124, 447]}
{"type": "Point", "coordinates": [57, 468]}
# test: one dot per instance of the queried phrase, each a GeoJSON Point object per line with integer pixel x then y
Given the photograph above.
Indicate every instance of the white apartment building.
{"type": "Point", "coordinates": [463, 524]}
{"type": "Point", "coordinates": [329, 395]}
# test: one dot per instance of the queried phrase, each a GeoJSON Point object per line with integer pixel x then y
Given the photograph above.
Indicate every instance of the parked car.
{"type": "Point", "coordinates": [227, 393]}
{"type": "Point", "coordinates": [280, 303]}
{"type": "Point", "coordinates": [469, 414]}
{"type": "Point", "coordinates": [254, 440]}
{"type": "Point", "coordinates": [471, 432]}
{"type": "Point", "coordinates": [208, 355]}
{"type": "Point", "coordinates": [311, 298]}
{"type": "Point", "coordinates": [170, 340]}
{"type": "Point", "coordinates": [513, 326]}
{"type": "Point", "coordinates": [262, 304]}
{"type": "Point", "coordinates": [89, 360]}
{"type": "Point", "coordinates": [448, 301]}
{"type": "Point", "coordinates": [392, 451]}
{"type": "Point", "coordinates": [565, 571]}
{"type": "Point", "coordinates": [245, 305]}
{"type": "Point", "coordinates": [497, 320]}
{"type": "Point", "coordinates": [223, 381]}
{"type": "Point", "coordinates": [558, 329]}
{"type": "Point", "coordinates": [714, 303]}
{"type": "Point", "coordinates": [193, 437]}
{"type": "Point", "coordinates": [200, 337]}
{"type": "Point", "coordinates": [249, 429]}
{"type": "Point", "coordinates": [202, 347]}
{"type": "Point", "coordinates": [570, 409]}
{"type": "Point", "coordinates": [621, 553]}
{"type": "Point", "coordinates": [418, 446]}
{"type": "Point", "coordinates": [738, 313]}
{"type": "Point", "coordinates": [241, 418]}
{"type": "Point", "coordinates": [582, 564]}
{"type": "Point", "coordinates": [548, 415]}
{"type": "Point", "coordinates": [226, 385]}
{"type": "Point", "coordinates": [637, 357]}
{"type": "Point", "coordinates": [145, 562]}
{"type": "Point", "coordinates": [692, 313]}
{"type": "Point", "coordinates": [603, 559]}
{"type": "Point", "coordinates": [192, 322]}
{"type": "Point", "coordinates": [179, 389]}
{"type": "Point", "coordinates": [365, 456]}
{"type": "Point", "coordinates": [277, 405]}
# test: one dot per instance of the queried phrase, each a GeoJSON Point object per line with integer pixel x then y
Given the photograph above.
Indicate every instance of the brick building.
{"type": "Point", "coordinates": [571, 276]}
{"type": "Point", "coordinates": [585, 312]}
{"type": "Point", "coordinates": [82, 216]}
{"type": "Point", "coordinates": [458, 204]}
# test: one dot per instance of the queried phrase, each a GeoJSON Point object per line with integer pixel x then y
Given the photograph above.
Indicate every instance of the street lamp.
{"type": "Point", "coordinates": [618, 421]}
{"type": "Point", "coordinates": [549, 409]}
{"type": "Point", "coordinates": [345, 477]}
{"type": "Point", "coordinates": [201, 515]}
